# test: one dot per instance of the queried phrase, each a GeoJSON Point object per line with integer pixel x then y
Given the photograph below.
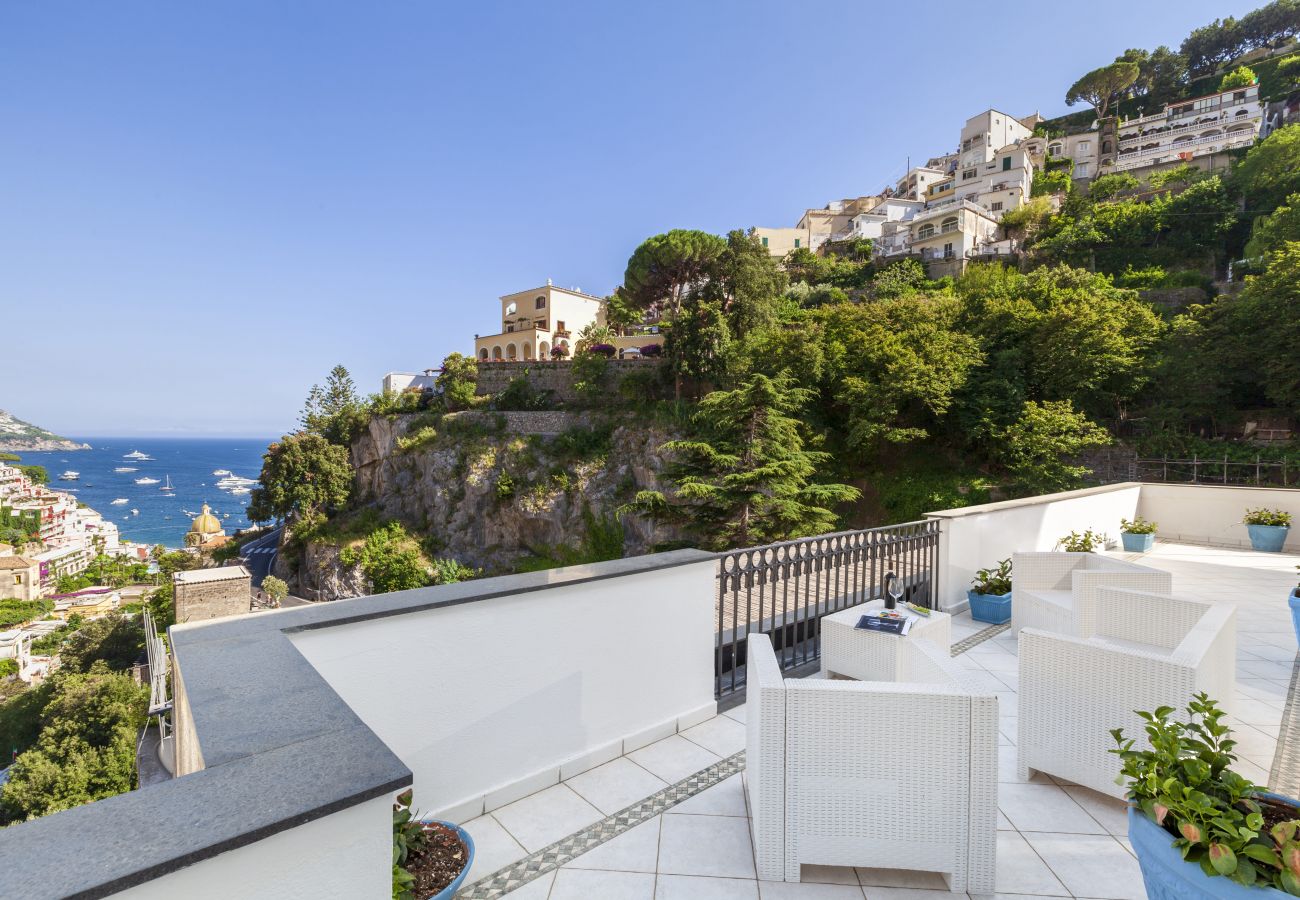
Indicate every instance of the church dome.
{"type": "Point", "coordinates": [205, 522]}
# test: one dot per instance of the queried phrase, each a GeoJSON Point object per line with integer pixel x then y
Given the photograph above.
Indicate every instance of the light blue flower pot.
{"type": "Point", "coordinates": [450, 890]}
{"type": "Point", "coordinates": [994, 609]}
{"type": "Point", "coordinates": [1267, 538]}
{"type": "Point", "coordinates": [1137, 543]}
{"type": "Point", "coordinates": [1294, 602]}
{"type": "Point", "coordinates": [1168, 877]}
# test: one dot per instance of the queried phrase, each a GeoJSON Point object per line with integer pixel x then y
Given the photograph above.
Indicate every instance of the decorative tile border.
{"type": "Point", "coordinates": [516, 875]}
{"type": "Point", "coordinates": [567, 849]}
{"type": "Point", "coordinates": [1284, 777]}
{"type": "Point", "coordinates": [978, 638]}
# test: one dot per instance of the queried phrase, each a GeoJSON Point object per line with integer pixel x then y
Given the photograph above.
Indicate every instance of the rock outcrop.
{"type": "Point", "coordinates": [489, 497]}
{"type": "Point", "coordinates": [17, 436]}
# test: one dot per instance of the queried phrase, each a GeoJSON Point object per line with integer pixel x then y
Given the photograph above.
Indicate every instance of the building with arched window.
{"type": "Point", "coordinates": [1200, 132]}
{"type": "Point", "coordinates": [537, 322]}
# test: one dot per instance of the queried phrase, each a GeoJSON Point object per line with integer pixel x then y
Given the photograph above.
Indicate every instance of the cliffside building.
{"type": "Point", "coordinates": [212, 593]}
{"type": "Point", "coordinates": [535, 322]}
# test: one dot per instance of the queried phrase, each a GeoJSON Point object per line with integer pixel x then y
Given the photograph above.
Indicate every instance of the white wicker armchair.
{"type": "Point", "coordinates": [898, 775]}
{"type": "Point", "coordinates": [1058, 591]}
{"type": "Point", "coordinates": [1148, 650]}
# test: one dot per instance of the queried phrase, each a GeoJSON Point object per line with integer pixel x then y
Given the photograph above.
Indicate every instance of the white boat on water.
{"type": "Point", "coordinates": [146, 480]}
{"type": "Point", "coordinates": [135, 512]}
{"type": "Point", "coordinates": [69, 476]}
{"type": "Point", "coordinates": [126, 469]}
{"type": "Point", "coordinates": [168, 485]}
{"type": "Point", "coordinates": [222, 472]}
{"type": "Point", "coordinates": [136, 454]}
{"type": "Point", "coordinates": [120, 501]}
{"type": "Point", "coordinates": [241, 490]}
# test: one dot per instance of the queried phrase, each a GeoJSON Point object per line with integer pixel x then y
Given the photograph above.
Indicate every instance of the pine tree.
{"type": "Point", "coordinates": [745, 477]}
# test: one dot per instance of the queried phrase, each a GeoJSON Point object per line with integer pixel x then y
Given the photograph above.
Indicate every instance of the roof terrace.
{"type": "Point", "coordinates": [588, 725]}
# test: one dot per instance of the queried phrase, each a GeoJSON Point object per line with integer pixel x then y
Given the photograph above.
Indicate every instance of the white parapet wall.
{"type": "Point", "coordinates": [489, 701]}
{"type": "Point", "coordinates": [976, 537]}
{"type": "Point", "coordinates": [1212, 514]}
{"type": "Point", "coordinates": [341, 856]}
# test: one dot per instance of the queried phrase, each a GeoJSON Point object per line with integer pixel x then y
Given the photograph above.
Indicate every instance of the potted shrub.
{"type": "Point", "coordinates": [1267, 528]}
{"type": "Point", "coordinates": [1088, 541]}
{"type": "Point", "coordinates": [430, 858]}
{"type": "Point", "coordinates": [990, 594]}
{"type": "Point", "coordinates": [1199, 829]}
{"type": "Point", "coordinates": [1138, 536]}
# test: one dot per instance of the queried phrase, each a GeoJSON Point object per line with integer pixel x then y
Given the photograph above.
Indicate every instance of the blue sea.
{"type": "Point", "coordinates": [189, 462]}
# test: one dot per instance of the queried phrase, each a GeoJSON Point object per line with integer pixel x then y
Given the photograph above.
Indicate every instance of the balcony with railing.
{"type": "Point", "coordinates": [570, 721]}
{"type": "Point", "coordinates": [1228, 140]}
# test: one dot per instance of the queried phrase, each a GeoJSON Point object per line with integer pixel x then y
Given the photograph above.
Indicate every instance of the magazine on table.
{"type": "Point", "coordinates": [895, 621]}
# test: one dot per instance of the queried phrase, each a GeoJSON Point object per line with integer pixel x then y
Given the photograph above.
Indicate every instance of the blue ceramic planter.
{"type": "Point", "coordinates": [1137, 543]}
{"type": "Point", "coordinates": [991, 608]}
{"type": "Point", "coordinates": [1168, 877]}
{"type": "Point", "coordinates": [1267, 538]}
{"type": "Point", "coordinates": [450, 890]}
{"type": "Point", "coordinates": [1294, 602]}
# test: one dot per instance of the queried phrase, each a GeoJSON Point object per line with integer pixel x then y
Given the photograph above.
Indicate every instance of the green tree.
{"type": "Point", "coordinates": [1240, 77]}
{"type": "Point", "coordinates": [35, 474]}
{"type": "Point", "coordinates": [893, 366]}
{"type": "Point", "coordinates": [457, 381]}
{"type": "Point", "coordinates": [900, 279]}
{"type": "Point", "coordinates": [1105, 187]}
{"type": "Point", "coordinates": [86, 747]}
{"type": "Point", "coordinates": [162, 599]}
{"type": "Point", "coordinates": [334, 410]}
{"type": "Point", "coordinates": [1162, 75]}
{"type": "Point", "coordinates": [667, 268]}
{"type": "Point", "coordinates": [1037, 447]}
{"type": "Point", "coordinates": [750, 283]}
{"type": "Point", "coordinates": [1178, 176]}
{"type": "Point", "coordinates": [1288, 70]}
{"type": "Point", "coordinates": [115, 640]}
{"type": "Point", "coordinates": [698, 344]}
{"type": "Point", "coordinates": [746, 475]}
{"type": "Point", "coordinates": [1272, 231]}
{"type": "Point", "coordinates": [1270, 171]}
{"type": "Point", "coordinates": [1102, 86]}
{"type": "Point", "coordinates": [1260, 329]}
{"type": "Point", "coordinates": [275, 590]}
{"type": "Point", "coordinates": [303, 476]}
{"type": "Point", "coordinates": [1208, 46]}
{"type": "Point", "coordinates": [1197, 219]}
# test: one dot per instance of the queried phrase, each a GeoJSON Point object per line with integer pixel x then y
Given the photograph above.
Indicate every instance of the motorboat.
{"type": "Point", "coordinates": [222, 472]}
{"type": "Point", "coordinates": [146, 480]}
{"type": "Point", "coordinates": [240, 491]}
{"type": "Point", "coordinates": [135, 512]}
{"type": "Point", "coordinates": [120, 501]}
{"type": "Point", "coordinates": [69, 476]}
{"type": "Point", "coordinates": [126, 469]}
{"type": "Point", "coordinates": [136, 454]}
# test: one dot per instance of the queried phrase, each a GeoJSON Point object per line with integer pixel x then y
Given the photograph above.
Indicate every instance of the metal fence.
{"type": "Point", "coordinates": [1199, 470]}
{"type": "Point", "coordinates": [784, 589]}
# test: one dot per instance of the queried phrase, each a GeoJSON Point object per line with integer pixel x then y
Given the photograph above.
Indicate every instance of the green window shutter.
{"type": "Point", "coordinates": [796, 243]}
{"type": "Point", "coordinates": [1006, 164]}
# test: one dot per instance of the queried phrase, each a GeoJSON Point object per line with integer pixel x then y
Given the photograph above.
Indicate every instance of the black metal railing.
{"type": "Point", "coordinates": [784, 589]}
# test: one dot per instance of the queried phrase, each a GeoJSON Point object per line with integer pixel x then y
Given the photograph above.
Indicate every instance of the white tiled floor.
{"type": "Point", "coordinates": [1054, 839]}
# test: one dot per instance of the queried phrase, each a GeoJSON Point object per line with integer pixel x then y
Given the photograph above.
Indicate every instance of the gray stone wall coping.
{"type": "Point", "coordinates": [280, 747]}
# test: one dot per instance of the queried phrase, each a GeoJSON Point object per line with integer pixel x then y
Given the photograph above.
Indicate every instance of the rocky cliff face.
{"type": "Point", "coordinates": [489, 497]}
{"type": "Point", "coordinates": [17, 436]}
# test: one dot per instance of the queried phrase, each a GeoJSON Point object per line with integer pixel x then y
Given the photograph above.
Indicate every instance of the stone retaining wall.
{"type": "Point", "coordinates": [555, 376]}
{"type": "Point", "coordinates": [547, 421]}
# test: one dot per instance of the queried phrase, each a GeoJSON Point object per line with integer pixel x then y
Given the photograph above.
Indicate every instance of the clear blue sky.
{"type": "Point", "coordinates": [203, 207]}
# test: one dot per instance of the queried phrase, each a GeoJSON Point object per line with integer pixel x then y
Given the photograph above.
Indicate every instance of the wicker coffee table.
{"type": "Point", "coordinates": [850, 652]}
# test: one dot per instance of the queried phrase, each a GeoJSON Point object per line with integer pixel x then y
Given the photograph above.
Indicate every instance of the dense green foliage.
{"type": "Point", "coordinates": [85, 749]}
{"type": "Point", "coordinates": [115, 640]}
{"type": "Point", "coordinates": [303, 476]}
{"type": "Point", "coordinates": [16, 612]}
{"type": "Point", "coordinates": [392, 560]}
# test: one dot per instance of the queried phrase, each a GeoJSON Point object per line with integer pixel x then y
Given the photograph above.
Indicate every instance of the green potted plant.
{"type": "Point", "coordinates": [990, 594]}
{"type": "Point", "coordinates": [1088, 541]}
{"type": "Point", "coordinates": [430, 858]}
{"type": "Point", "coordinates": [1138, 536]}
{"type": "Point", "coordinates": [1267, 529]}
{"type": "Point", "coordinates": [1198, 828]}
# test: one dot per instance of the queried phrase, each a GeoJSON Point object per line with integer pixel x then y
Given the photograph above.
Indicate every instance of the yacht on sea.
{"type": "Point", "coordinates": [126, 469]}
{"type": "Point", "coordinates": [241, 490]}
{"type": "Point", "coordinates": [146, 480]}
{"type": "Point", "coordinates": [135, 512]}
{"type": "Point", "coordinates": [120, 501]}
{"type": "Point", "coordinates": [222, 472]}
{"type": "Point", "coordinates": [136, 454]}
{"type": "Point", "coordinates": [69, 476]}
{"type": "Point", "coordinates": [168, 485]}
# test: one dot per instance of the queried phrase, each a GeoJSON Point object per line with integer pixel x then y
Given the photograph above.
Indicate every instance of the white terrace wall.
{"type": "Point", "coordinates": [492, 700]}
{"type": "Point", "coordinates": [1211, 514]}
{"type": "Point", "coordinates": [976, 537]}
{"type": "Point", "coordinates": [342, 856]}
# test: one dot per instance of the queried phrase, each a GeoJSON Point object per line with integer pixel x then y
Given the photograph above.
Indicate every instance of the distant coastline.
{"type": "Point", "coordinates": [17, 436]}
